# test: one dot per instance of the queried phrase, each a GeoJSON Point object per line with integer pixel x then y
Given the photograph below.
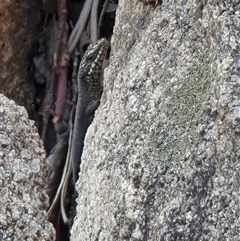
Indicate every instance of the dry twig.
{"type": "Point", "coordinates": [75, 35]}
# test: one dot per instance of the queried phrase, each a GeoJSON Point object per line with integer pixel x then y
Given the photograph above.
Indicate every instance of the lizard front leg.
{"type": "Point", "coordinates": [92, 106]}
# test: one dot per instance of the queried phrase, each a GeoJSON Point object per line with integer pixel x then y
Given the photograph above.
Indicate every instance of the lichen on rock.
{"type": "Point", "coordinates": [161, 158]}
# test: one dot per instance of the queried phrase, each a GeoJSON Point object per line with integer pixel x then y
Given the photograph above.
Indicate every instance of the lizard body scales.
{"type": "Point", "coordinates": [89, 93]}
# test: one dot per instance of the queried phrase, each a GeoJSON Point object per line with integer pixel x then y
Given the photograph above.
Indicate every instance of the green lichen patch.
{"type": "Point", "coordinates": [184, 105]}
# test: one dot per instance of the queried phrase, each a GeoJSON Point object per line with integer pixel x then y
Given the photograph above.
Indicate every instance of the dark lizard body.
{"type": "Point", "coordinates": [89, 93]}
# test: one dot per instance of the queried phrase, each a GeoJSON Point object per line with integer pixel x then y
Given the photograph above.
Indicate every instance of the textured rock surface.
{"type": "Point", "coordinates": [23, 201]}
{"type": "Point", "coordinates": [162, 159]}
{"type": "Point", "coordinates": [18, 29]}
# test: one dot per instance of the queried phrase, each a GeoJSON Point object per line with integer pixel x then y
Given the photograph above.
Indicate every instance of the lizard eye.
{"type": "Point", "coordinates": [90, 57]}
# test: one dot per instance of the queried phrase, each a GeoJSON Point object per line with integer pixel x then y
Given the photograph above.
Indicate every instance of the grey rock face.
{"type": "Point", "coordinates": [161, 159]}
{"type": "Point", "coordinates": [23, 200]}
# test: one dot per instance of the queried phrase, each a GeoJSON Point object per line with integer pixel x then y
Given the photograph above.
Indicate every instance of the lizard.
{"type": "Point", "coordinates": [89, 93]}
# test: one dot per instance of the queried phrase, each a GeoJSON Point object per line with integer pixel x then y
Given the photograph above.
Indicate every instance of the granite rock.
{"type": "Point", "coordinates": [23, 176]}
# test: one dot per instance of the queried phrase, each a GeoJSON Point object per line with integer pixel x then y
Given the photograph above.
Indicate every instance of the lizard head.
{"type": "Point", "coordinates": [91, 64]}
